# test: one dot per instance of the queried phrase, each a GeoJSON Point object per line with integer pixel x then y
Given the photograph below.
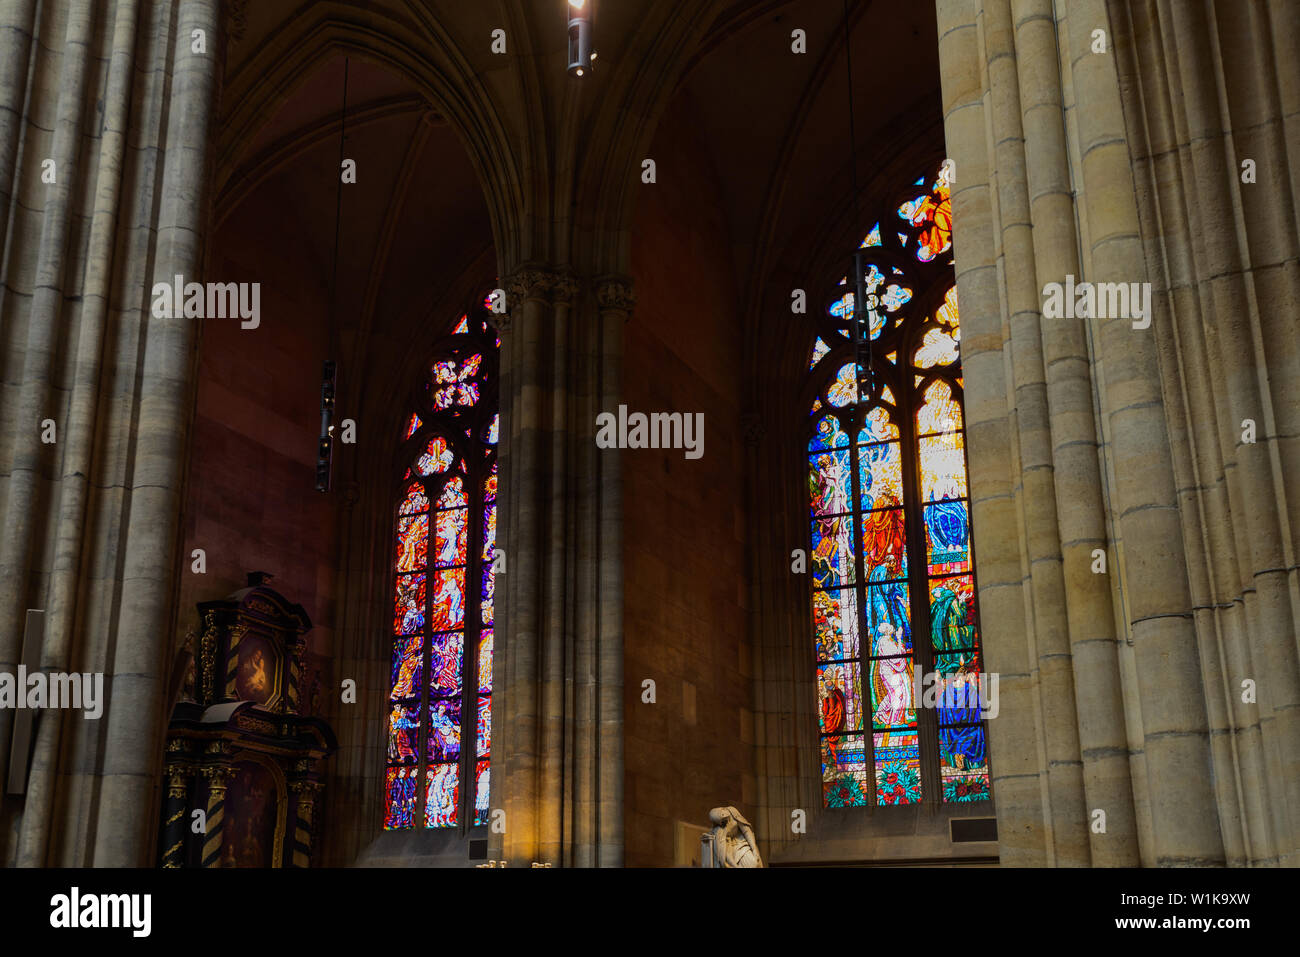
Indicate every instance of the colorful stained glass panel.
{"type": "Point", "coordinates": [880, 475]}
{"type": "Point", "coordinates": [937, 348]}
{"type": "Point", "coordinates": [844, 390]}
{"type": "Point", "coordinates": [819, 351]}
{"type": "Point", "coordinates": [952, 613]}
{"type": "Point", "coordinates": [898, 768]}
{"type": "Point", "coordinates": [415, 500]}
{"type": "Point", "coordinates": [830, 482]}
{"type": "Point", "coordinates": [487, 595]}
{"type": "Point", "coordinates": [483, 740]}
{"type": "Point", "coordinates": [839, 696]}
{"type": "Point", "coordinates": [884, 551]}
{"type": "Point", "coordinates": [453, 494]}
{"type": "Point", "coordinates": [832, 551]}
{"type": "Point", "coordinates": [444, 729]}
{"type": "Point", "coordinates": [400, 805]}
{"type": "Point", "coordinates": [404, 733]}
{"type": "Point", "coordinates": [449, 545]}
{"type": "Point", "coordinates": [485, 662]}
{"type": "Point", "coordinates": [412, 542]}
{"type": "Point", "coordinates": [947, 313]}
{"type": "Point", "coordinates": [437, 457]}
{"type": "Point", "coordinates": [878, 426]}
{"type": "Point", "coordinates": [956, 696]}
{"type": "Point", "coordinates": [891, 693]}
{"type": "Point", "coordinates": [482, 791]}
{"type": "Point", "coordinates": [442, 795]}
{"type": "Point", "coordinates": [448, 608]}
{"type": "Point", "coordinates": [947, 537]}
{"type": "Point", "coordinates": [408, 664]}
{"type": "Point", "coordinates": [445, 654]}
{"type": "Point", "coordinates": [489, 532]}
{"type": "Point", "coordinates": [963, 765]}
{"type": "Point", "coordinates": [844, 771]}
{"type": "Point", "coordinates": [835, 622]}
{"type": "Point", "coordinates": [889, 619]}
{"type": "Point", "coordinates": [829, 435]}
{"type": "Point", "coordinates": [943, 467]}
{"type": "Point", "coordinates": [408, 606]}
{"type": "Point", "coordinates": [940, 411]}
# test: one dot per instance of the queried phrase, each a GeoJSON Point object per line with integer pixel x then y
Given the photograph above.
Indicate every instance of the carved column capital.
{"type": "Point", "coordinates": [565, 288]}
{"type": "Point", "coordinates": [614, 293]}
{"type": "Point", "coordinates": [530, 281]}
{"type": "Point", "coordinates": [178, 780]}
{"type": "Point", "coordinates": [219, 776]}
{"type": "Point", "coordinates": [544, 284]}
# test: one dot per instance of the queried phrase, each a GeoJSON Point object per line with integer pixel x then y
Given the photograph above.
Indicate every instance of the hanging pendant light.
{"type": "Point", "coordinates": [580, 55]}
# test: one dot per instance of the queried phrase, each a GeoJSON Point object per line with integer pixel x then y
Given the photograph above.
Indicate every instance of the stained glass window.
{"type": "Point", "coordinates": [440, 689]}
{"type": "Point", "coordinates": [892, 571]}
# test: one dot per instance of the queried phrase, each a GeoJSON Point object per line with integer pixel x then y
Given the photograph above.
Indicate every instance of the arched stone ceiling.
{"type": "Point", "coordinates": [411, 229]}
{"type": "Point", "coordinates": [556, 157]}
{"type": "Point", "coordinates": [775, 128]}
{"type": "Point", "coordinates": [776, 123]}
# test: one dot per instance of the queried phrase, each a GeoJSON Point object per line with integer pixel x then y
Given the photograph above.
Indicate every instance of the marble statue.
{"type": "Point", "coordinates": [732, 839]}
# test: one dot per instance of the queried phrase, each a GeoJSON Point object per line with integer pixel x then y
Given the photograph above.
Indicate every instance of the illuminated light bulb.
{"type": "Point", "coordinates": [579, 38]}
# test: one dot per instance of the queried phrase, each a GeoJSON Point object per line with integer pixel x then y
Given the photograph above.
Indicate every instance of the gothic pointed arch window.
{"type": "Point", "coordinates": [892, 570]}
{"type": "Point", "coordinates": [440, 692]}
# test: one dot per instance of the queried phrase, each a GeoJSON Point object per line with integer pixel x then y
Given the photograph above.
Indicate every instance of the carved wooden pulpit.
{"type": "Point", "coordinates": [242, 746]}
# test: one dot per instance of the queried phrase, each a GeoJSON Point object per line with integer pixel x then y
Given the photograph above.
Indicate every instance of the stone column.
{"type": "Point", "coordinates": [558, 672]}
{"type": "Point", "coordinates": [1135, 123]}
{"type": "Point", "coordinates": [1172, 696]}
{"type": "Point", "coordinates": [1216, 155]}
{"type": "Point", "coordinates": [1050, 637]}
{"type": "Point", "coordinates": [119, 96]}
{"type": "Point", "coordinates": [616, 299]}
{"type": "Point", "coordinates": [1015, 751]}
{"type": "Point", "coordinates": [1076, 472]}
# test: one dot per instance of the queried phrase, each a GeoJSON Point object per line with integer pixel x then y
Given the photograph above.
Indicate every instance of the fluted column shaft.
{"type": "Point", "coordinates": [1081, 515]}
{"type": "Point", "coordinates": [1134, 424]}
{"type": "Point", "coordinates": [558, 770]}
{"type": "Point", "coordinates": [98, 205]}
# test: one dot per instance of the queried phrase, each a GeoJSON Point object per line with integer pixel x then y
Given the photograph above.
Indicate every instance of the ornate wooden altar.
{"type": "Point", "coordinates": [241, 746]}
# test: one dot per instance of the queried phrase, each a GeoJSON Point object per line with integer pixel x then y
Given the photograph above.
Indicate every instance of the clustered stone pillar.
{"type": "Point", "coordinates": [1075, 156]}
{"type": "Point", "coordinates": [1217, 170]}
{"type": "Point", "coordinates": [557, 753]}
{"type": "Point", "coordinates": [97, 203]}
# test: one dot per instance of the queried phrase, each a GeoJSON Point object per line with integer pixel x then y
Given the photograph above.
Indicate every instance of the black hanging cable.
{"type": "Point", "coordinates": [329, 370]}
{"type": "Point", "coordinates": [338, 209]}
{"type": "Point", "coordinates": [859, 287]}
